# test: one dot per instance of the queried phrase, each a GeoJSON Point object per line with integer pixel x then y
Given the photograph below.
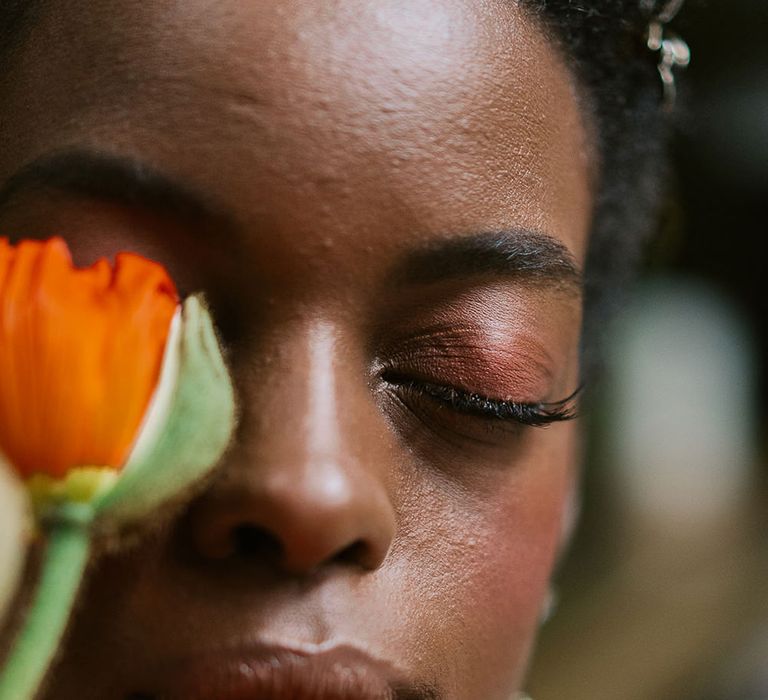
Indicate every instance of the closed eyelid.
{"type": "Point", "coordinates": [535, 414]}
{"type": "Point", "coordinates": [517, 367]}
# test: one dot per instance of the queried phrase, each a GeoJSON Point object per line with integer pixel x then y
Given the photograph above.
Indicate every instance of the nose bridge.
{"type": "Point", "coordinates": [293, 411]}
{"type": "Point", "coordinates": [313, 459]}
{"type": "Point", "coordinates": [322, 417]}
{"type": "Point", "coordinates": [318, 395]}
{"type": "Point", "coordinates": [306, 473]}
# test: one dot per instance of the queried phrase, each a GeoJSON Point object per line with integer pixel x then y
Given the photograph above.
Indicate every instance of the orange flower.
{"type": "Point", "coordinates": [114, 399]}
{"type": "Point", "coordinates": [80, 355]}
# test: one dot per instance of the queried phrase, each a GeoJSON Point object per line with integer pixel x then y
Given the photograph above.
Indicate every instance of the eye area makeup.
{"type": "Point", "coordinates": [470, 366]}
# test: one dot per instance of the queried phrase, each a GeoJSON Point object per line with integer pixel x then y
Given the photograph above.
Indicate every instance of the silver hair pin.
{"type": "Point", "coordinates": [673, 51]}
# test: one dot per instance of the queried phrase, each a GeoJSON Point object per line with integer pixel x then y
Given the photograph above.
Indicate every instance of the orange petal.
{"type": "Point", "coordinates": [80, 355]}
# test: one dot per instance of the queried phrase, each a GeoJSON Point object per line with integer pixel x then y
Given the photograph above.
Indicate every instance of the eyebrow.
{"type": "Point", "coordinates": [122, 180]}
{"type": "Point", "coordinates": [519, 254]}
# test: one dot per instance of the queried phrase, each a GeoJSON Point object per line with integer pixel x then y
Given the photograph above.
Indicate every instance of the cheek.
{"type": "Point", "coordinates": [482, 574]}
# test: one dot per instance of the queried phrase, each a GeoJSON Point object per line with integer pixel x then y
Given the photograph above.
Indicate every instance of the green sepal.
{"type": "Point", "coordinates": [193, 434]}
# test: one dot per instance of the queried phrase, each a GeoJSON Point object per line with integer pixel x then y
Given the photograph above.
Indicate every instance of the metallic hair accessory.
{"type": "Point", "coordinates": [673, 51]}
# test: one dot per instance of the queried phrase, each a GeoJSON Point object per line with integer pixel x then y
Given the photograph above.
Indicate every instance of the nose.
{"type": "Point", "coordinates": [307, 485]}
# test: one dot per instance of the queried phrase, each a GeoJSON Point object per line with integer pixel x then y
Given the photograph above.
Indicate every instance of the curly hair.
{"type": "Point", "coordinates": [604, 43]}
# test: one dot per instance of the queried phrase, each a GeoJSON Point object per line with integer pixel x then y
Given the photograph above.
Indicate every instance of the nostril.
{"type": "Point", "coordinates": [355, 553]}
{"type": "Point", "coordinates": [253, 542]}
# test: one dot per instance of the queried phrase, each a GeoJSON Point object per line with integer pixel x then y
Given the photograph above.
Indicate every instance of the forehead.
{"type": "Point", "coordinates": [426, 114]}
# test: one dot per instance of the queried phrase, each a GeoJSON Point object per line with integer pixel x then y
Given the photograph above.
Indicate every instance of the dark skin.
{"type": "Point", "coordinates": [313, 165]}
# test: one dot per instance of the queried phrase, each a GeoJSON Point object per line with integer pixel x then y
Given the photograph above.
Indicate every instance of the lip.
{"type": "Point", "coordinates": [266, 672]}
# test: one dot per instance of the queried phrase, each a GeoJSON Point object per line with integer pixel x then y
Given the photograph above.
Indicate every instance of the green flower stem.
{"type": "Point", "coordinates": [66, 556]}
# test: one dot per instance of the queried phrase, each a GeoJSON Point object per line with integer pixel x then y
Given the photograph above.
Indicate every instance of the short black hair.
{"type": "Point", "coordinates": [603, 42]}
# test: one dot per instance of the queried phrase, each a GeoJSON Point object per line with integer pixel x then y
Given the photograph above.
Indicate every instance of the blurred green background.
{"type": "Point", "coordinates": [663, 594]}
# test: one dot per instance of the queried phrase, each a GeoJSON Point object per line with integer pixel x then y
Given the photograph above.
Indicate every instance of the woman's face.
{"type": "Point", "coordinates": [387, 204]}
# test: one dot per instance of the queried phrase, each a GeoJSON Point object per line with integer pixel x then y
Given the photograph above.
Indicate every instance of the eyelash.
{"type": "Point", "coordinates": [537, 415]}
